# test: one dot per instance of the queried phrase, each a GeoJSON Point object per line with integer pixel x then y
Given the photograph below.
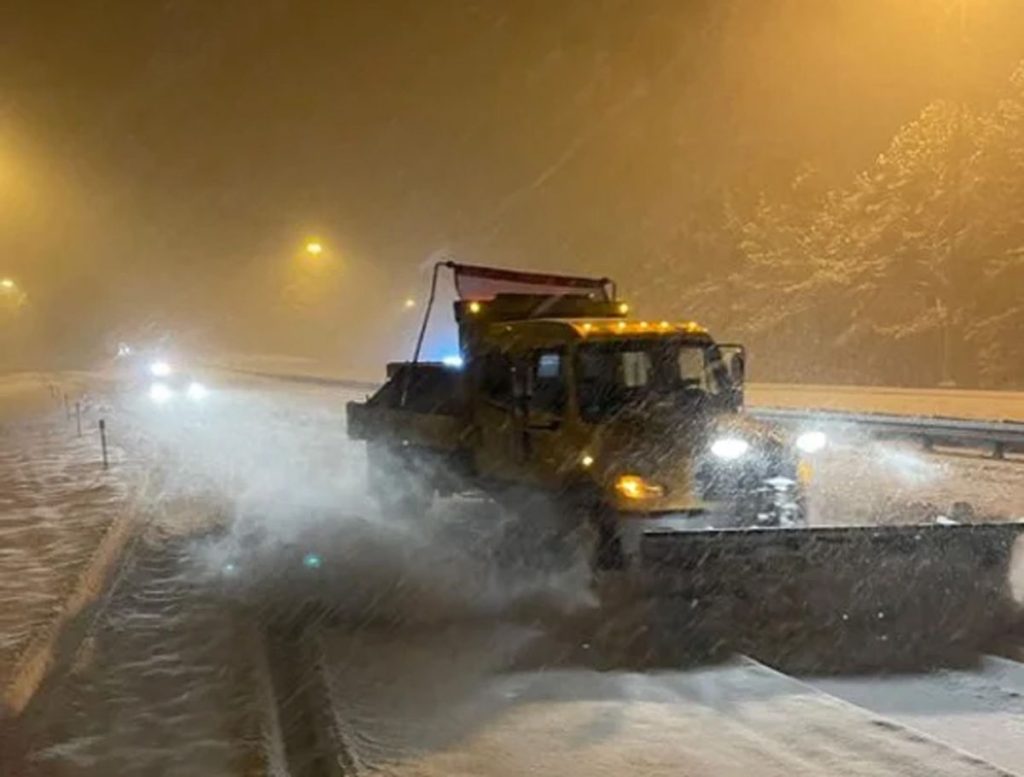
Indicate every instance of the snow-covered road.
{"type": "Point", "coordinates": [482, 701]}
{"type": "Point", "coordinates": [444, 657]}
{"type": "Point", "coordinates": [980, 710]}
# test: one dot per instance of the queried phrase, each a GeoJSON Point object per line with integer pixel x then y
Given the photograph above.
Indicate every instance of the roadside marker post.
{"type": "Point", "coordinates": [103, 441]}
{"type": "Point", "coordinates": [78, 417]}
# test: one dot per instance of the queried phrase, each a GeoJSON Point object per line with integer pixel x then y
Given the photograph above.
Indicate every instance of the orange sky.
{"type": "Point", "coordinates": [178, 154]}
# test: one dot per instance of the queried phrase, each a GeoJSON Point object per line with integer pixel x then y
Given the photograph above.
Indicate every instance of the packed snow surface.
{"type": "Point", "coordinates": [255, 500]}
{"type": "Point", "coordinates": [455, 702]}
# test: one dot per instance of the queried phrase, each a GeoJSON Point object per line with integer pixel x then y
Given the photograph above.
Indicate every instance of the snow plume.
{"type": "Point", "coordinates": [863, 480]}
{"type": "Point", "coordinates": [303, 528]}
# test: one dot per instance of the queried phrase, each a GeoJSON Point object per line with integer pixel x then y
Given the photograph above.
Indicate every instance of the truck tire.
{"type": "Point", "coordinates": [535, 532]}
{"type": "Point", "coordinates": [395, 482]}
{"type": "Point", "coordinates": [599, 528]}
{"type": "Point", "coordinates": [607, 551]}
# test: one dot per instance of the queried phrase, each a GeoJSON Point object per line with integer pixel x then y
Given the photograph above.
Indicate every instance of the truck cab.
{"type": "Point", "coordinates": [637, 424]}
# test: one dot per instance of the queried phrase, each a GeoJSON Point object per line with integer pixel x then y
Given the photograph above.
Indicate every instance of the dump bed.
{"type": "Point", "coordinates": [420, 404]}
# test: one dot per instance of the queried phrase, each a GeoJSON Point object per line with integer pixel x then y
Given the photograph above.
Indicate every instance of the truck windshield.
{"type": "Point", "coordinates": [614, 376]}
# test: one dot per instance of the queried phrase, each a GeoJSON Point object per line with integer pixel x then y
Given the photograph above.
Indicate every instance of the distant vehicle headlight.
{"type": "Point", "coordinates": [730, 448]}
{"type": "Point", "coordinates": [160, 369]}
{"type": "Point", "coordinates": [811, 442]}
{"type": "Point", "coordinates": [196, 391]}
{"type": "Point", "coordinates": [160, 393]}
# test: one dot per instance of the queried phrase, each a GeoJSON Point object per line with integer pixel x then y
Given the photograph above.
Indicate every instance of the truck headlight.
{"type": "Point", "coordinates": [811, 442]}
{"type": "Point", "coordinates": [729, 448]}
{"type": "Point", "coordinates": [635, 487]}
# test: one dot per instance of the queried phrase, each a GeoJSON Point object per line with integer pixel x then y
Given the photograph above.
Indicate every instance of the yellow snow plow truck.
{"type": "Point", "coordinates": [636, 431]}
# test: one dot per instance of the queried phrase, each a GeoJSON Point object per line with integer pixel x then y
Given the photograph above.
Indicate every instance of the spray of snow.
{"type": "Point", "coordinates": [299, 525]}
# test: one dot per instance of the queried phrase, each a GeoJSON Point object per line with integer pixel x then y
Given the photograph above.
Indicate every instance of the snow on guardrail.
{"type": "Point", "coordinates": [1001, 437]}
{"type": "Point", "coordinates": [944, 403]}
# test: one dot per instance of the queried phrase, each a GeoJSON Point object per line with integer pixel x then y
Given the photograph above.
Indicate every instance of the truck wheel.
{"type": "Point", "coordinates": [595, 527]}
{"type": "Point", "coordinates": [536, 532]}
{"type": "Point", "coordinates": [603, 541]}
{"type": "Point", "coordinates": [608, 553]}
{"type": "Point", "coordinates": [394, 482]}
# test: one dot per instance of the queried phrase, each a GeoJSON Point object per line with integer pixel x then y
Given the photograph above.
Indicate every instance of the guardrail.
{"type": "Point", "coordinates": [963, 404]}
{"type": "Point", "coordinates": [999, 437]}
{"type": "Point", "coordinates": [316, 380]}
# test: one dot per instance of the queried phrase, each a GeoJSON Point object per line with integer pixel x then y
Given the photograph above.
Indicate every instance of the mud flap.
{"type": "Point", "coordinates": [828, 598]}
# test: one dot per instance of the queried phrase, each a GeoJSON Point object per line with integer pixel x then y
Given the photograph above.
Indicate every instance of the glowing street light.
{"type": "Point", "coordinates": [314, 248]}
{"type": "Point", "coordinates": [409, 303]}
{"type": "Point", "coordinates": [7, 284]}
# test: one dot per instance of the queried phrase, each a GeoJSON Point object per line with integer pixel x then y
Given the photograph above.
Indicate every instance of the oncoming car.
{"type": "Point", "coordinates": [169, 384]}
{"type": "Point", "coordinates": [158, 378]}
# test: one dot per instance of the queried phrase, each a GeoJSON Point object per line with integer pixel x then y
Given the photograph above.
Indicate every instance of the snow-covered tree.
{"type": "Point", "coordinates": [912, 270]}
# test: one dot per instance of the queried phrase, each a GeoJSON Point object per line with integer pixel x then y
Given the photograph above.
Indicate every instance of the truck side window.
{"type": "Point", "coordinates": [497, 379]}
{"type": "Point", "coordinates": [547, 382]}
{"type": "Point", "coordinates": [693, 370]}
{"type": "Point", "coordinates": [636, 368]}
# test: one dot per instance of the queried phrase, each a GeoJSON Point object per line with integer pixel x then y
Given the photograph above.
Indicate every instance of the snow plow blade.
{"type": "Point", "coordinates": [838, 598]}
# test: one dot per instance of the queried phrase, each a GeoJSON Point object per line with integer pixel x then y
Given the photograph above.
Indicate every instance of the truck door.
{"type": "Point", "coordinates": [543, 445]}
{"type": "Point", "coordinates": [498, 417]}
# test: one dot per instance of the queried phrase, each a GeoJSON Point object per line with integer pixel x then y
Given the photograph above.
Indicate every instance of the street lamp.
{"type": "Point", "coordinates": [314, 248]}
{"type": "Point", "coordinates": [7, 284]}
{"type": "Point", "coordinates": [409, 303]}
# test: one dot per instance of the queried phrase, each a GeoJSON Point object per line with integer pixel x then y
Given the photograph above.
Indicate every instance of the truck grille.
{"type": "Point", "coordinates": [719, 481]}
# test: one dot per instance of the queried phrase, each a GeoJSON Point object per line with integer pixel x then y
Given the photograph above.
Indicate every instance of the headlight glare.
{"type": "Point", "coordinates": [729, 448]}
{"type": "Point", "coordinates": [160, 393]}
{"type": "Point", "coordinates": [196, 391]}
{"type": "Point", "coordinates": [160, 369]}
{"type": "Point", "coordinates": [812, 441]}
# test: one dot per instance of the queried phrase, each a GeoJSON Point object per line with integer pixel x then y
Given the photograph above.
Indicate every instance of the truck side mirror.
{"type": "Point", "coordinates": [737, 368]}
{"type": "Point", "coordinates": [734, 362]}
{"type": "Point", "coordinates": [734, 359]}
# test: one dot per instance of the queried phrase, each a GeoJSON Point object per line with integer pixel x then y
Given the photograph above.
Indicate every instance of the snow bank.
{"type": "Point", "coordinates": [63, 521]}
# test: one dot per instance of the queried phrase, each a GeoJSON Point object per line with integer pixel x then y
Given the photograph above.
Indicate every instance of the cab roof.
{"type": "Point", "coordinates": [578, 329]}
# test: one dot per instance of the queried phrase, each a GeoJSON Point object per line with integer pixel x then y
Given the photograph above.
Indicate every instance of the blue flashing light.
{"type": "Point", "coordinates": [454, 362]}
